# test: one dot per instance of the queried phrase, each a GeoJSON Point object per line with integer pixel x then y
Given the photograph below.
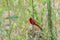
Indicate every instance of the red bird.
{"type": "Point", "coordinates": [34, 22]}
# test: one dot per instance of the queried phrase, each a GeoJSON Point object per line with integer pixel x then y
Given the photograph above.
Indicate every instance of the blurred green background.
{"type": "Point", "coordinates": [15, 14]}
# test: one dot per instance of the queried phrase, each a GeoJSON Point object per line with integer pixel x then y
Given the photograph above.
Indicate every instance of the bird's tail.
{"type": "Point", "coordinates": [39, 27]}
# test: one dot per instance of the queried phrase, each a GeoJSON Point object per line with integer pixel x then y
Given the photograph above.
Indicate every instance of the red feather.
{"type": "Point", "coordinates": [34, 22]}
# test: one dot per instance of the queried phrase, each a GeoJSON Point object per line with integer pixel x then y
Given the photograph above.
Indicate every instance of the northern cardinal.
{"type": "Point", "coordinates": [34, 22]}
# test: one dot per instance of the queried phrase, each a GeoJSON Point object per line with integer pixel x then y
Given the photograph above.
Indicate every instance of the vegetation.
{"type": "Point", "coordinates": [15, 14]}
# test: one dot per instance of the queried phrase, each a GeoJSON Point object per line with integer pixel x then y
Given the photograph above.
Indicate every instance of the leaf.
{"type": "Point", "coordinates": [12, 17]}
{"type": "Point", "coordinates": [1, 11]}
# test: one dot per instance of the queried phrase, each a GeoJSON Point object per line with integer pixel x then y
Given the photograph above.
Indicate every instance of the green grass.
{"type": "Point", "coordinates": [14, 19]}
